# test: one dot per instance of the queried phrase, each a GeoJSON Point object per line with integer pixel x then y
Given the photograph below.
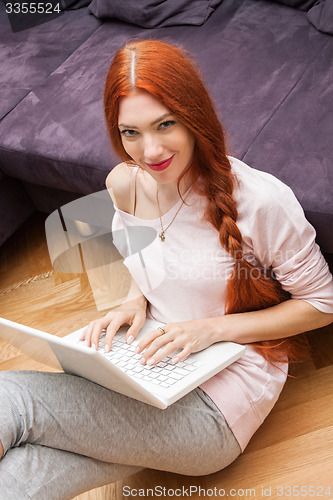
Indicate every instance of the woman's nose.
{"type": "Point", "coordinates": [153, 149]}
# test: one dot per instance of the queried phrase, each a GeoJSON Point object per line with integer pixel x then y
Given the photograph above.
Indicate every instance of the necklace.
{"type": "Point", "coordinates": [162, 233]}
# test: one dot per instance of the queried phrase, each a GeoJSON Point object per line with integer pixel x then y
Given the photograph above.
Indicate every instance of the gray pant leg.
{"type": "Point", "coordinates": [34, 472]}
{"type": "Point", "coordinates": [72, 414]}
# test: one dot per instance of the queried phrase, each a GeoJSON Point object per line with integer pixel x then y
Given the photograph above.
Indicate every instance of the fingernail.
{"type": "Point", "coordinates": [151, 362]}
{"type": "Point", "coordinates": [142, 361]}
{"type": "Point", "coordinates": [137, 350]}
{"type": "Point", "coordinates": [106, 348]}
{"type": "Point", "coordinates": [130, 339]}
{"type": "Point", "coordinates": [93, 346]}
{"type": "Point", "coordinates": [175, 360]}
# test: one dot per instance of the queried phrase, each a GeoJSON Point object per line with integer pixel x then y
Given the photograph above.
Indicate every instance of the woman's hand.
{"type": "Point", "coordinates": [132, 313]}
{"type": "Point", "coordinates": [189, 336]}
{"type": "Point", "coordinates": [288, 318]}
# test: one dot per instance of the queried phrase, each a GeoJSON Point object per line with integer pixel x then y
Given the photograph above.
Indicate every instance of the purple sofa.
{"type": "Point", "coordinates": [268, 65]}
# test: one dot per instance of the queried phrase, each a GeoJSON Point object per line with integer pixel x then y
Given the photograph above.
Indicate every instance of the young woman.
{"type": "Point", "coordinates": [223, 228]}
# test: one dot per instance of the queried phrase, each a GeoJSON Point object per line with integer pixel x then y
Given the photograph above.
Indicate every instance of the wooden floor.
{"type": "Point", "coordinates": [292, 449]}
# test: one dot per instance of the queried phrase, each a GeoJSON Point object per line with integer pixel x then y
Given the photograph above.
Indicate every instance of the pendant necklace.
{"type": "Point", "coordinates": [163, 230]}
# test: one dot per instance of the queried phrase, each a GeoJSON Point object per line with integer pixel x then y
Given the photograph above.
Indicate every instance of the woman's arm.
{"type": "Point", "coordinates": [133, 309]}
{"type": "Point", "coordinates": [283, 320]}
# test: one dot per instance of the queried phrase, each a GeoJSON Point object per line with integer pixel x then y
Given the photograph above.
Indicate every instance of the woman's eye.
{"type": "Point", "coordinates": [128, 133]}
{"type": "Point", "coordinates": [167, 124]}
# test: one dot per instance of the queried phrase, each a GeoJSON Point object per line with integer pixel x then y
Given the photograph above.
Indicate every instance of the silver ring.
{"type": "Point", "coordinates": [161, 330]}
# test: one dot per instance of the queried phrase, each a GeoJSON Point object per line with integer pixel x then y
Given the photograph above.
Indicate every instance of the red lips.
{"type": "Point", "coordinates": [161, 165]}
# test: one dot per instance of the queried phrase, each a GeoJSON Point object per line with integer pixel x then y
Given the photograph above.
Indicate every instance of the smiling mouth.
{"type": "Point", "coordinates": [161, 165]}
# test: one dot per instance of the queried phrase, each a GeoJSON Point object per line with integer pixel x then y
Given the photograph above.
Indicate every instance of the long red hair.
{"type": "Point", "coordinates": [169, 74]}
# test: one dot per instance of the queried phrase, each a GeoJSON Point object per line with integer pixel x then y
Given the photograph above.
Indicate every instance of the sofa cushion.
{"type": "Point", "coordinates": [152, 13]}
{"type": "Point", "coordinates": [28, 57]}
{"type": "Point", "coordinates": [75, 4]}
{"type": "Point", "coordinates": [298, 4]}
{"type": "Point", "coordinates": [321, 16]}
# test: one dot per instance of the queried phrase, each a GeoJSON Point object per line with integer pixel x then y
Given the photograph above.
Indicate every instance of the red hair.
{"type": "Point", "coordinates": [140, 66]}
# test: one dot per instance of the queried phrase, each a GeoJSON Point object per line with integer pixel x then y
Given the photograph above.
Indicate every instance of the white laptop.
{"type": "Point", "coordinates": [120, 370]}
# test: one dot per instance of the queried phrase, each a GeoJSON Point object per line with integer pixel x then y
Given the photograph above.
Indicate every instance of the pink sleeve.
{"type": "Point", "coordinates": [284, 240]}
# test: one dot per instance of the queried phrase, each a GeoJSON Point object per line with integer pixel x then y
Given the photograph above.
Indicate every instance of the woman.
{"type": "Point", "coordinates": [221, 224]}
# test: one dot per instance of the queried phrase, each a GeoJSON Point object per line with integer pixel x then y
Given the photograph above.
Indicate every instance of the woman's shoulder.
{"type": "Point", "coordinates": [257, 187]}
{"type": "Point", "coordinates": [119, 182]}
{"type": "Point", "coordinates": [266, 206]}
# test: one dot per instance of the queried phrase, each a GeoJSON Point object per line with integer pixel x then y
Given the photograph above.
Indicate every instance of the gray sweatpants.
{"type": "Point", "coordinates": [63, 435]}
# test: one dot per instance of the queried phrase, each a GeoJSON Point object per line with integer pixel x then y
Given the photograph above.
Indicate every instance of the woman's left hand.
{"type": "Point", "coordinates": [189, 336]}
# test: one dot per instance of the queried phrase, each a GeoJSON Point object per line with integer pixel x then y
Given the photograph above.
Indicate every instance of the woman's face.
{"type": "Point", "coordinates": [153, 137]}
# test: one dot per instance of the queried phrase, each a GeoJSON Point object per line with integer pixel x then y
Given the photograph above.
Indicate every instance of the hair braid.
{"type": "Point", "coordinates": [249, 288]}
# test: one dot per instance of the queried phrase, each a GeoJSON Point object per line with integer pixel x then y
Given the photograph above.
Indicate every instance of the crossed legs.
{"type": "Point", "coordinates": [62, 435]}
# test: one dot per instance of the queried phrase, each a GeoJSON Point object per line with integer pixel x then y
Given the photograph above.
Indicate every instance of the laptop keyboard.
{"type": "Point", "coordinates": [164, 373]}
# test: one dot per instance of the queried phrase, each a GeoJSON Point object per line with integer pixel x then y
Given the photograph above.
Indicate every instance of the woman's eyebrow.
{"type": "Point", "coordinates": [126, 126]}
{"type": "Point", "coordinates": [161, 118]}
{"type": "Point", "coordinates": [153, 123]}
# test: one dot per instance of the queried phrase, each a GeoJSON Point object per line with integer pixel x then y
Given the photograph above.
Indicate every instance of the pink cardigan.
{"type": "Point", "coordinates": [185, 278]}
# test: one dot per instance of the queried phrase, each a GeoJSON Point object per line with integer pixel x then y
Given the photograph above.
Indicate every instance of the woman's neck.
{"type": "Point", "coordinates": [170, 192]}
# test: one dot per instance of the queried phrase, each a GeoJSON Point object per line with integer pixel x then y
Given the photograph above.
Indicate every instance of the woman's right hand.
{"type": "Point", "coordinates": [132, 313]}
